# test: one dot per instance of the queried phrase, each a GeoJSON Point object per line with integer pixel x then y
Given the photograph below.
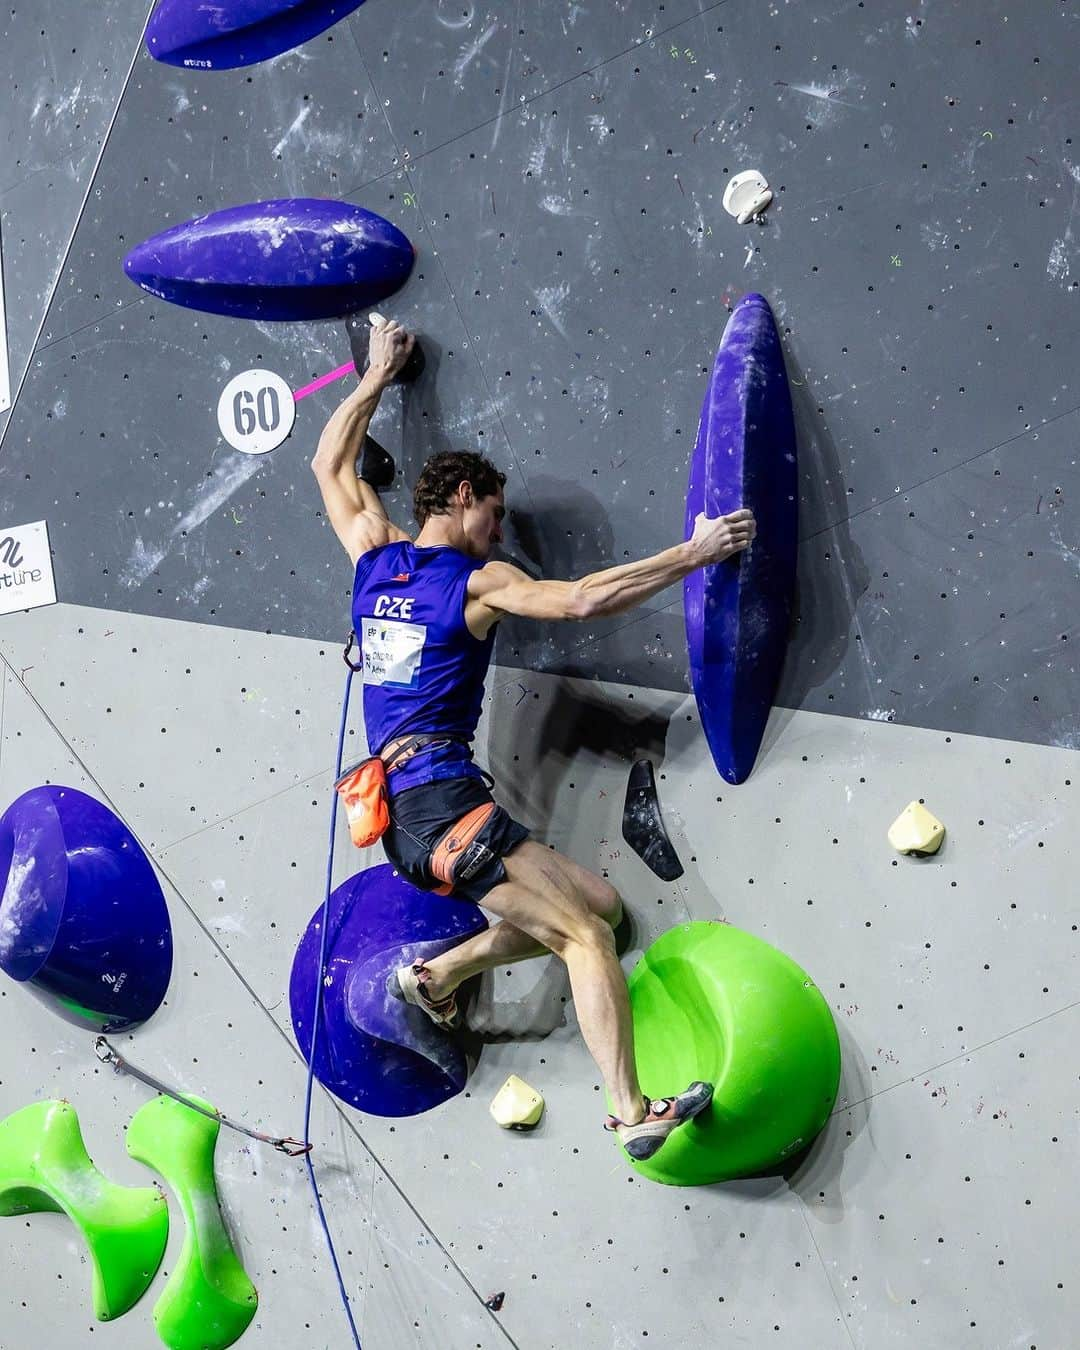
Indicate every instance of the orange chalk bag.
{"type": "Point", "coordinates": [364, 792]}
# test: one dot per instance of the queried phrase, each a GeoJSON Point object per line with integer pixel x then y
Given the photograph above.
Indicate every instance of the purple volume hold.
{"type": "Point", "coordinates": [738, 611]}
{"type": "Point", "coordinates": [291, 258]}
{"type": "Point", "coordinates": [373, 1050]}
{"type": "Point", "coordinates": [224, 34]}
{"type": "Point", "coordinates": [83, 921]}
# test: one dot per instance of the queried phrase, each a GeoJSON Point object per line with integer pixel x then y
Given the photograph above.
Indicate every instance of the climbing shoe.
{"type": "Point", "coordinates": [407, 983]}
{"type": "Point", "coordinates": [662, 1115]}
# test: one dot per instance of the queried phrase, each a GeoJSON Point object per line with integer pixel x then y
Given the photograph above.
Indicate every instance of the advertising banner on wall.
{"type": "Point", "coordinates": [26, 572]}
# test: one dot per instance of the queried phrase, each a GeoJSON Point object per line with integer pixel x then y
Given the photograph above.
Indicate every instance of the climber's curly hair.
{"type": "Point", "coordinates": [441, 475]}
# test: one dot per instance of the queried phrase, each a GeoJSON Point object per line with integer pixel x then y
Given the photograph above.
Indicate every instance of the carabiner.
{"type": "Point", "coordinates": [292, 1148]}
{"type": "Point", "coordinates": [358, 665]}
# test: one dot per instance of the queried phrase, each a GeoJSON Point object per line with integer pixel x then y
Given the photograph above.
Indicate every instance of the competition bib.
{"type": "Point", "coordinates": [392, 651]}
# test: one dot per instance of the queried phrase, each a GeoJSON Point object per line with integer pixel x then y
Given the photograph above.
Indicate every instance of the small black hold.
{"type": "Point", "coordinates": [495, 1302]}
{"type": "Point", "coordinates": [376, 465]}
{"type": "Point", "coordinates": [643, 825]}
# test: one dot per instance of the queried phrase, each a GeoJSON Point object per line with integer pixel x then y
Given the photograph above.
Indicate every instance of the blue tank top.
{"type": "Point", "coordinates": [423, 670]}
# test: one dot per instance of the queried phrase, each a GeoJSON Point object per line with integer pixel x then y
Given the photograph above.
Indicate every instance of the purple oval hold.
{"type": "Point", "coordinates": [291, 258]}
{"type": "Point", "coordinates": [738, 611]}
{"type": "Point", "coordinates": [224, 34]}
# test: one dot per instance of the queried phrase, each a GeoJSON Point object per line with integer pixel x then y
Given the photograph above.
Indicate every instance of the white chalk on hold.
{"type": "Point", "coordinates": [747, 195]}
{"type": "Point", "coordinates": [377, 320]}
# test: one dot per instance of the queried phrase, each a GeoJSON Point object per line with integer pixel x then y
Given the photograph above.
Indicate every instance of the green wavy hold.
{"type": "Point", "coordinates": [208, 1300]}
{"type": "Point", "coordinates": [44, 1166]}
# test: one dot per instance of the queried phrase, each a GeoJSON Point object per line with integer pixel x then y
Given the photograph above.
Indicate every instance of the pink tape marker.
{"type": "Point", "coordinates": [346, 369]}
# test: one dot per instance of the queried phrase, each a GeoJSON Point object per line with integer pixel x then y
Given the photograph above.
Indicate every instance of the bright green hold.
{"type": "Point", "coordinates": [208, 1300]}
{"type": "Point", "coordinates": [715, 1003]}
{"type": "Point", "coordinates": [44, 1166]}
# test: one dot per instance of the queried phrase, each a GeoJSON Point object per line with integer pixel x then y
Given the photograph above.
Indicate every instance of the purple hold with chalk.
{"type": "Point", "coordinates": [292, 258]}
{"type": "Point", "coordinates": [373, 1050]}
{"type": "Point", "coordinates": [224, 34]}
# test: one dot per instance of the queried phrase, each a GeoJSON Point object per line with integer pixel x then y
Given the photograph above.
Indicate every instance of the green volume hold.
{"type": "Point", "coordinates": [44, 1166]}
{"type": "Point", "coordinates": [715, 1003]}
{"type": "Point", "coordinates": [208, 1300]}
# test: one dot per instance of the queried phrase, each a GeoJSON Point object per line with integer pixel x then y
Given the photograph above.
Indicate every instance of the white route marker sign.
{"type": "Point", "coordinates": [256, 411]}
{"type": "Point", "coordinates": [26, 571]}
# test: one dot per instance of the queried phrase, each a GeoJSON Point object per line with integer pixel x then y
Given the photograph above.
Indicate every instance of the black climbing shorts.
{"type": "Point", "coordinates": [451, 836]}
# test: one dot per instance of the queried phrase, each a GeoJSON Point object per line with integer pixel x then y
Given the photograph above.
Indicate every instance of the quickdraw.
{"type": "Point", "coordinates": [293, 1148]}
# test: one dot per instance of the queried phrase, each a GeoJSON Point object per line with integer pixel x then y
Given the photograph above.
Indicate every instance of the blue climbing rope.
{"type": "Point", "coordinates": [316, 1014]}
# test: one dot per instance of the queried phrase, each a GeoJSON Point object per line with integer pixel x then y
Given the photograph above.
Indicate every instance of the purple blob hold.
{"type": "Point", "coordinates": [738, 611]}
{"type": "Point", "coordinates": [83, 921]}
{"type": "Point", "coordinates": [372, 1050]}
{"type": "Point", "coordinates": [296, 258]}
{"type": "Point", "coordinates": [224, 34]}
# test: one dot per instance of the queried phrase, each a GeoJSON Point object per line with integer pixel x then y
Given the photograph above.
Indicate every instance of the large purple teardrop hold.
{"type": "Point", "coordinates": [373, 1050]}
{"type": "Point", "coordinates": [223, 34]}
{"type": "Point", "coordinates": [290, 258]}
{"type": "Point", "coordinates": [83, 921]}
{"type": "Point", "coordinates": [738, 611]}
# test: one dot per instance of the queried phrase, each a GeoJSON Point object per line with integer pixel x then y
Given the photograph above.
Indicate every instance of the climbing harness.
{"type": "Point", "coordinates": [458, 855]}
{"type": "Point", "coordinates": [363, 787]}
{"type": "Point", "coordinates": [293, 1148]}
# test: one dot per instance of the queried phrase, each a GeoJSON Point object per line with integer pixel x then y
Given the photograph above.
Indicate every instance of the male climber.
{"type": "Point", "coordinates": [425, 612]}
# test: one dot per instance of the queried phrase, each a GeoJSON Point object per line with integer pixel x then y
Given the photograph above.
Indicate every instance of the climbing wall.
{"type": "Point", "coordinates": [560, 171]}
{"type": "Point", "coordinates": [65, 71]}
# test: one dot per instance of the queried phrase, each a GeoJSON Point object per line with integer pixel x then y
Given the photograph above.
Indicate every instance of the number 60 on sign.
{"type": "Point", "coordinates": [256, 411]}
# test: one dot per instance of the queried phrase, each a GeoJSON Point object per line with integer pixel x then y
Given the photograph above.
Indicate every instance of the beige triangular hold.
{"type": "Point", "coordinates": [915, 830]}
{"type": "Point", "coordinates": [517, 1106]}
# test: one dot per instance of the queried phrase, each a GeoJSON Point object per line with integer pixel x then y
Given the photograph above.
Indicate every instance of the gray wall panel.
{"type": "Point", "coordinates": [937, 989]}
{"type": "Point", "coordinates": [573, 281]}
{"type": "Point", "coordinates": [446, 68]}
{"type": "Point", "coordinates": [307, 124]}
{"type": "Point", "coordinates": [953, 605]}
{"type": "Point", "coordinates": [64, 68]}
{"type": "Point", "coordinates": [211, 1037]}
{"type": "Point", "coordinates": [981, 1281]}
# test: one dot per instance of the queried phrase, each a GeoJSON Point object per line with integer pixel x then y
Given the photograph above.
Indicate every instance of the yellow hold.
{"type": "Point", "coordinates": [915, 830]}
{"type": "Point", "coordinates": [517, 1106]}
